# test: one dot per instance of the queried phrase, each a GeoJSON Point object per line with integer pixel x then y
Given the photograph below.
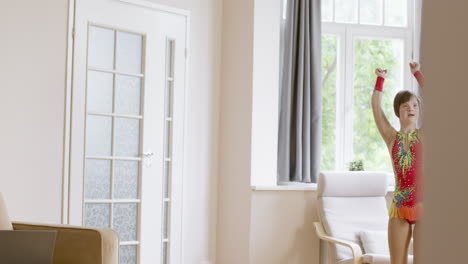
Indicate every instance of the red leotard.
{"type": "Point", "coordinates": [407, 166]}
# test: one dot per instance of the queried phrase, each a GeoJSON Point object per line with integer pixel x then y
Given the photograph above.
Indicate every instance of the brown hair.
{"type": "Point", "coordinates": [402, 97]}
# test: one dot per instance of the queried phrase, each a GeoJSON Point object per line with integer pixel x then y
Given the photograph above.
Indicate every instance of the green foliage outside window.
{"type": "Point", "coordinates": [368, 145]}
{"type": "Point", "coordinates": [329, 64]}
{"type": "Point", "coordinates": [369, 54]}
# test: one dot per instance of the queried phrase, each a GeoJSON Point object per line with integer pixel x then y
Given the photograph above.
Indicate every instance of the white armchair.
{"type": "Point", "coordinates": [353, 217]}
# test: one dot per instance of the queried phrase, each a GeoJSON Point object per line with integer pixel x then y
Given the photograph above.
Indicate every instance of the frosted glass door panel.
{"type": "Point", "coordinates": [97, 179]}
{"type": "Point", "coordinates": [167, 177]}
{"type": "Point", "coordinates": [127, 137]}
{"type": "Point", "coordinates": [127, 255]}
{"type": "Point", "coordinates": [168, 142]}
{"type": "Point", "coordinates": [98, 136]}
{"type": "Point", "coordinates": [126, 179]}
{"type": "Point", "coordinates": [129, 50]}
{"type": "Point", "coordinates": [113, 131]}
{"type": "Point", "coordinates": [97, 215]}
{"type": "Point", "coordinates": [100, 86]}
{"type": "Point", "coordinates": [165, 220]}
{"type": "Point", "coordinates": [125, 221]}
{"type": "Point", "coordinates": [101, 48]}
{"type": "Point", "coordinates": [127, 95]}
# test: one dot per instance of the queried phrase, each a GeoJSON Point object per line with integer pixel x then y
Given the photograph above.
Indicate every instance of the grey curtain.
{"type": "Point", "coordinates": [300, 93]}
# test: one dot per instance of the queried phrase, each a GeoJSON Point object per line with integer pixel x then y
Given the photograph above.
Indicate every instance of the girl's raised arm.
{"type": "Point", "coordinates": [416, 71]}
{"type": "Point", "coordinates": [385, 128]}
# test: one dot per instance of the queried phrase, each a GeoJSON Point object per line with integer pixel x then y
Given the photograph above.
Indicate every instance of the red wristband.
{"type": "Point", "coordinates": [379, 84]}
{"type": "Point", "coordinates": [418, 75]}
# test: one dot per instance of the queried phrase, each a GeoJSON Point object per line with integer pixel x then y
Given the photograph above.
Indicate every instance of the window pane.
{"type": "Point", "coordinates": [327, 10]}
{"type": "Point", "coordinates": [329, 64]}
{"type": "Point", "coordinates": [368, 145]}
{"type": "Point", "coordinates": [371, 12]}
{"type": "Point", "coordinates": [396, 12]}
{"type": "Point", "coordinates": [346, 11]}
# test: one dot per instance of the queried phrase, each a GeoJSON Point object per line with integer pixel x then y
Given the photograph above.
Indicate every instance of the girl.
{"type": "Point", "coordinates": [405, 151]}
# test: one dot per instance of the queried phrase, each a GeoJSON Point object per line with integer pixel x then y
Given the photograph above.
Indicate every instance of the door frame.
{"type": "Point", "coordinates": [69, 98]}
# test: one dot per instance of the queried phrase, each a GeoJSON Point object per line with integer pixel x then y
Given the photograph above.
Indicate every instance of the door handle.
{"type": "Point", "coordinates": [147, 158]}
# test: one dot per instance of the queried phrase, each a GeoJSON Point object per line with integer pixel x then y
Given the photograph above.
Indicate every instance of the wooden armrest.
{"type": "Point", "coordinates": [80, 245]}
{"type": "Point", "coordinates": [355, 248]}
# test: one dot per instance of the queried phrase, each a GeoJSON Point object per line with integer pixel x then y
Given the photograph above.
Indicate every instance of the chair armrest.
{"type": "Point", "coordinates": [411, 247]}
{"type": "Point", "coordinates": [355, 248]}
{"type": "Point", "coordinates": [80, 245]}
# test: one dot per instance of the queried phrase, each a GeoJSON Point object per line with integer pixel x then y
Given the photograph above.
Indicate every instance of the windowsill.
{"type": "Point", "coordinates": [289, 187]}
{"type": "Point", "coordinates": [297, 187]}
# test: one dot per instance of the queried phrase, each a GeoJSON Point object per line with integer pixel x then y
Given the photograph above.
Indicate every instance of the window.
{"type": "Point", "coordinates": [357, 37]}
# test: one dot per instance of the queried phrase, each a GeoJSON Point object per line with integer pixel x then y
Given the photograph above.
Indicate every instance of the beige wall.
{"type": "Point", "coordinates": [444, 55]}
{"type": "Point", "coordinates": [235, 133]}
{"type": "Point", "coordinates": [32, 91]}
{"type": "Point", "coordinates": [281, 228]}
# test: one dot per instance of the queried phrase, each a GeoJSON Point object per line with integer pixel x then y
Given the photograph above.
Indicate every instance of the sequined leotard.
{"type": "Point", "coordinates": [407, 202]}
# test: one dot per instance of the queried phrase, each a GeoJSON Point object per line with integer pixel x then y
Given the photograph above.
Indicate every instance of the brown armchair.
{"type": "Point", "coordinates": [74, 244]}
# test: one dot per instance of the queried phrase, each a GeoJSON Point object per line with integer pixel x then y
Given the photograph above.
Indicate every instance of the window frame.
{"type": "Point", "coordinates": [346, 34]}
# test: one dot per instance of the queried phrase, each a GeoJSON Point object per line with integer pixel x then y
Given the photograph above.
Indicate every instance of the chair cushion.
{"type": "Point", "coordinates": [5, 223]}
{"type": "Point", "coordinates": [374, 259]}
{"type": "Point", "coordinates": [381, 259]}
{"type": "Point", "coordinates": [345, 217]}
{"type": "Point", "coordinates": [375, 242]}
{"type": "Point", "coordinates": [352, 184]}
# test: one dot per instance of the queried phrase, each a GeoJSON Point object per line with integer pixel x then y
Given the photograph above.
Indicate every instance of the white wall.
{"type": "Point", "coordinates": [32, 84]}
{"type": "Point", "coordinates": [32, 90]}
{"type": "Point", "coordinates": [265, 98]}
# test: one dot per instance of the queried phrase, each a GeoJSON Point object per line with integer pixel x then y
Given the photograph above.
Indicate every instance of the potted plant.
{"type": "Point", "coordinates": [356, 165]}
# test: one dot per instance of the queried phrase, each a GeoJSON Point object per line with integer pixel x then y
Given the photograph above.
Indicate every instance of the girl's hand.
{"type": "Point", "coordinates": [414, 67]}
{"type": "Point", "coordinates": [381, 72]}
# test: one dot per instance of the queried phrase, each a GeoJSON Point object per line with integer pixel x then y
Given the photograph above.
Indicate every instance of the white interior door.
{"type": "Point", "coordinates": [127, 125]}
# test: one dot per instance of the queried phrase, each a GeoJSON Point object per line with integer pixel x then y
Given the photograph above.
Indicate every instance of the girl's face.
{"type": "Point", "coordinates": [409, 111]}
